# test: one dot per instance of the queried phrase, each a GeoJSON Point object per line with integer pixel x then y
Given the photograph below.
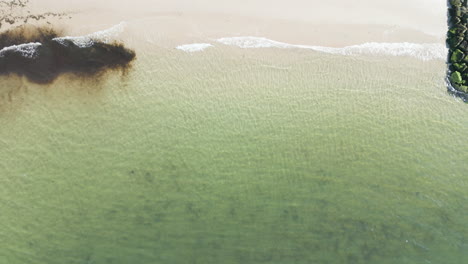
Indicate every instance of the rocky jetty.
{"type": "Point", "coordinates": [457, 42]}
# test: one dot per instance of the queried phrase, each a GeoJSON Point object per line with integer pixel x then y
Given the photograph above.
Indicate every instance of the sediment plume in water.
{"type": "Point", "coordinates": [457, 42]}
{"type": "Point", "coordinates": [41, 55]}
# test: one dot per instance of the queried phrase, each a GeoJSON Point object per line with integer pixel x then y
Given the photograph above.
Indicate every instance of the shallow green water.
{"type": "Point", "coordinates": [238, 156]}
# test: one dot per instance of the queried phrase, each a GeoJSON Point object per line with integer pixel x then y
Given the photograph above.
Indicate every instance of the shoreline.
{"type": "Point", "coordinates": [330, 24]}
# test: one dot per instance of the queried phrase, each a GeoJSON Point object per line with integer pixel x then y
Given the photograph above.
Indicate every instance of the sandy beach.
{"type": "Point", "coordinates": [328, 23]}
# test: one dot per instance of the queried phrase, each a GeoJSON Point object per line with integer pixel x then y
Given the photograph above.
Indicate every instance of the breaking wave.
{"type": "Point", "coordinates": [425, 52]}
{"type": "Point", "coordinates": [27, 50]}
{"type": "Point", "coordinates": [104, 36]}
{"type": "Point", "coordinates": [195, 47]}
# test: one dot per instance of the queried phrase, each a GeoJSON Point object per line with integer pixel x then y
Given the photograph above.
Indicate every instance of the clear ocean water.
{"type": "Point", "coordinates": [237, 156]}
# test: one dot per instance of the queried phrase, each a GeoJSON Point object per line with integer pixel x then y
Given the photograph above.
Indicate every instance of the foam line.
{"type": "Point", "coordinates": [195, 47]}
{"type": "Point", "coordinates": [105, 36]}
{"type": "Point", "coordinates": [28, 50]}
{"type": "Point", "coordinates": [431, 51]}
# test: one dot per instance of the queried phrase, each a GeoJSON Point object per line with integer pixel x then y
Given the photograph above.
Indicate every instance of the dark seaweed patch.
{"type": "Point", "coordinates": [46, 61]}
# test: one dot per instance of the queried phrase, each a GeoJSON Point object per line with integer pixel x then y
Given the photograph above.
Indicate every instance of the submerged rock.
{"type": "Point", "coordinates": [456, 2]}
{"type": "Point", "coordinates": [456, 77]}
{"type": "Point", "coordinates": [463, 88]}
{"type": "Point", "coordinates": [461, 67]}
{"type": "Point", "coordinates": [454, 41]}
{"type": "Point", "coordinates": [463, 45]}
{"type": "Point", "coordinates": [457, 56]}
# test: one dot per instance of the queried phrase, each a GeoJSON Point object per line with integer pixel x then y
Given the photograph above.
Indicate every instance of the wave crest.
{"type": "Point", "coordinates": [425, 52]}
{"type": "Point", "coordinates": [195, 47]}
{"type": "Point", "coordinates": [27, 50]}
{"type": "Point", "coordinates": [105, 36]}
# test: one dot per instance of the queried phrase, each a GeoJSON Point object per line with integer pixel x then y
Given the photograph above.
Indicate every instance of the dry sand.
{"type": "Point", "coordinates": [333, 23]}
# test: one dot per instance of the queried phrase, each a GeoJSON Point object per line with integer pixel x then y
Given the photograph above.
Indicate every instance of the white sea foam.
{"type": "Point", "coordinates": [195, 47]}
{"type": "Point", "coordinates": [105, 36]}
{"type": "Point", "coordinates": [28, 50]}
{"type": "Point", "coordinates": [431, 51]}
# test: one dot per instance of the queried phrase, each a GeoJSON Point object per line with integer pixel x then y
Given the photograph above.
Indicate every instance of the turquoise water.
{"type": "Point", "coordinates": [237, 156]}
